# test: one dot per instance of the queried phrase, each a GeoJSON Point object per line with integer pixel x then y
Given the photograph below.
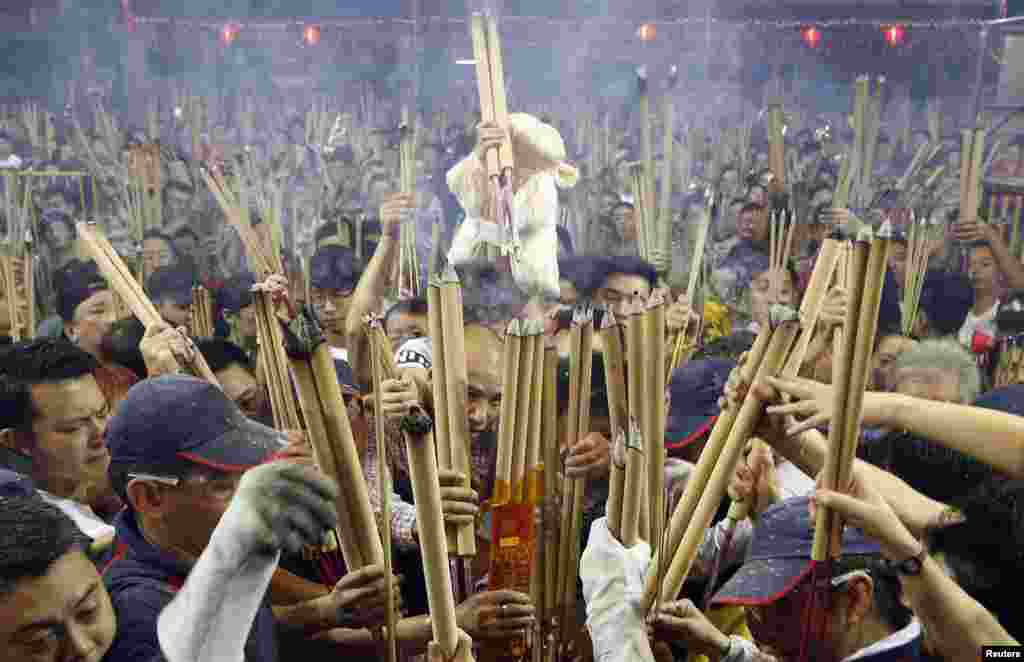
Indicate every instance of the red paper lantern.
{"type": "Point", "coordinates": [228, 34]}
{"type": "Point", "coordinates": [811, 36]}
{"type": "Point", "coordinates": [647, 32]}
{"type": "Point", "coordinates": [311, 35]}
{"type": "Point", "coordinates": [894, 34]}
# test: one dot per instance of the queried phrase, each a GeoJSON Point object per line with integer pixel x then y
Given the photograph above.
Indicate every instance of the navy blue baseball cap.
{"type": "Point", "coordinates": [780, 555]}
{"type": "Point", "coordinates": [13, 484]}
{"type": "Point", "coordinates": [1009, 399]}
{"type": "Point", "coordinates": [166, 420]}
{"type": "Point", "coordinates": [696, 388]}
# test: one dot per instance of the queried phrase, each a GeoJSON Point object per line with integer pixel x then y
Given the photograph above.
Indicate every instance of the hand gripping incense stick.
{"type": "Point", "coordinates": [330, 434]}
{"type": "Point", "coordinates": [427, 497]}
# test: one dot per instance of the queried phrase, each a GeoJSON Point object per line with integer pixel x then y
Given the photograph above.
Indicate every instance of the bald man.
{"type": "Point", "coordinates": [483, 405]}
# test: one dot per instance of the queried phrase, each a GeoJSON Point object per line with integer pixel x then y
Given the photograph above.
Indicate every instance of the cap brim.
{"type": "Point", "coordinates": [241, 448]}
{"type": "Point", "coordinates": [683, 430]}
{"type": "Point", "coordinates": [763, 581]}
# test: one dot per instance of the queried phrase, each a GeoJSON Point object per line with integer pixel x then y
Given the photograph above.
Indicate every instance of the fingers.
{"type": "Point", "coordinates": [800, 407]}
{"type": "Point", "coordinates": [811, 423]}
{"type": "Point", "coordinates": [852, 509]}
{"type": "Point", "coordinates": [156, 329]}
{"type": "Point", "coordinates": [451, 478]}
{"type": "Point", "coordinates": [506, 597]}
{"type": "Point", "coordinates": [792, 387]}
{"type": "Point", "coordinates": [361, 577]}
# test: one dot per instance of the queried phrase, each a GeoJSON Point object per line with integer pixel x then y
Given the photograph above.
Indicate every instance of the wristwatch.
{"type": "Point", "coordinates": [910, 567]}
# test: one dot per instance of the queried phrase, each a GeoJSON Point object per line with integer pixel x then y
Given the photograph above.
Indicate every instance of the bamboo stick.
{"type": "Point", "coordinates": [664, 238]}
{"type": "Point", "coordinates": [776, 146]}
{"type": "Point", "coordinates": [508, 415]}
{"type": "Point", "coordinates": [456, 384]}
{"type": "Point", "coordinates": [380, 355]}
{"type": "Point", "coordinates": [439, 375]}
{"type": "Point", "coordinates": [427, 497]}
{"type": "Point", "coordinates": [550, 439]}
{"type": "Point", "coordinates": [974, 183]}
{"type": "Point", "coordinates": [632, 504]}
{"type": "Point", "coordinates": [618, 412]}
{"type": "Point", "coordinates": [316, 429]}
{"type": "Point", "coordinates": [524, 393]}
{"type": "Point", "coordinates": [825, 542]}
{"type": "Point", "coordinates": [781, 340]}
{"type": "Point", "coordinates": [654, 397]}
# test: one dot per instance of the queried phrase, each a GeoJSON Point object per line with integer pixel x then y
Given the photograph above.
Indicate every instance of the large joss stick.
{"type": "Point", "coordinates": [408, 259]}
{"type": "Point", "coordinates": [419, 445]}
{"type": "Point", "coordinates": [330, 434]}
{"type": "Point", "coordinates": [864, 286]}
{"type": "Point", "coordinates": [383, 368]}
{"type": "Point", "coordinates": [490, 79]}
{"type": "Point", "coordinates": [867, 274]}
{"type": "Point", "coordinates": [618, 413]}
{"type": "Point", "coordinates": [873, 122]}
{"type": "Point", "coordinates": [262, 262]}
{"type": "Point", "coordinates": [17, 273]}
{"type": "Point", "coordinates": [776, 147]}
{"type": "Point", "coordinates": [544, 573]}
{"type": "Point", "coordinates": [852, 162]}
{"type": "Point", "coordinates": [449, 381]}
{"type": "Point", "coordinates": [121, 280]}
{"type": "Point", "coordinates": [685, 517]}
{"type": "Point", "coordinates": [274, 363]}
{"type": "Point", "coordinates": [631, 528]}
{"type": "Point", "coordinates": [664, 235]}
{"type": "Point", "coordinates": [202, 324]}
{"type": "Point", "coordinates": [780, 341]}
{"type": "Point", "coordinates": [517, 547]}
{"type": "Point", "coordinates": [573, 491]}
{"type": "Point", "coordinates": [918, 254]}
{"type": "Point", "coordinates": [641, 207]}
{"type": "Point", "coordinates": [653, 415]}
{"type": "Point", "coordinates": [686, 342]}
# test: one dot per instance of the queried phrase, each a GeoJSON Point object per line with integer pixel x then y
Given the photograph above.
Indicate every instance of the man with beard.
{"type": "Point", "coordinates": [52, 418]}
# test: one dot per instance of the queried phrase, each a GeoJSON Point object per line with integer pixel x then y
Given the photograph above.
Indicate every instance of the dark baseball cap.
{"type": "Point", "coordinates": [1009, 399]}
{"type": "Point", "coordinates": [333, 268]}
{"type": "Point", "coordinates": [695, 388]}
{"type": "Point", "coordinates": [75, 283]}
{"type": "Point", "coordinates": [13, 484]}
{"type": "Point", "coordinates": [780, 555]}
{"type": "Point", "coordinates": [174, 283]}
{"type": "Point", "coordinates": [165, 420]}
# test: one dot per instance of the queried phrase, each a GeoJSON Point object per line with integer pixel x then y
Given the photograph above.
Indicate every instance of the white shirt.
{"type": "Point", "coordinates": [985, 321]}
{"type": "Point", "coordinates": [82, 515]}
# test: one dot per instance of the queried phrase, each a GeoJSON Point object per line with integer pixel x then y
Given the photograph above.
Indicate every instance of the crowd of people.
{"type": "Point", "coordinates": [150, 515]}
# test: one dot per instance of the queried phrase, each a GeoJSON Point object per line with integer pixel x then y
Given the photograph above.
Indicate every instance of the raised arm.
{"type": "Point", "coordinates": [373, 283]}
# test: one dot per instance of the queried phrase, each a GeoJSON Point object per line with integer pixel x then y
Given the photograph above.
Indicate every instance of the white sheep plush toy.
{"type": "Point", "coordinates": [532, 241]}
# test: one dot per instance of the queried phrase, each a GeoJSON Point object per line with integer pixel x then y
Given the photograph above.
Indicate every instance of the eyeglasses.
{"type": "Point", "coordinates": [151, 478]}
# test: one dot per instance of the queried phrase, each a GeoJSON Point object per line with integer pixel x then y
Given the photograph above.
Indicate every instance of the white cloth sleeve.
{"type": "Point", "coordinates": [613, 584]}
{"type": "Point", "coordinates": [536, 216]}
{"type": "Point", "coordinates": [210, 617]}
